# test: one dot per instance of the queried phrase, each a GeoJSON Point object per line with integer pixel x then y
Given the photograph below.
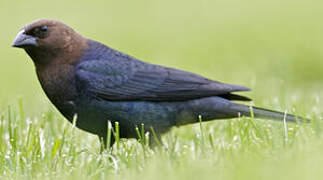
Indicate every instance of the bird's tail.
{"type": "Point", "coordinates": [265, 113]}
{"type": "Point", "coordinates": [218, 108]}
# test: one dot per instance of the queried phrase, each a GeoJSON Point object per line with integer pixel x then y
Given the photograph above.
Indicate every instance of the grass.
{"type": "Point", "coordinates": [243, 148]}
{"type": "Point", "coordinates": [274, 47]}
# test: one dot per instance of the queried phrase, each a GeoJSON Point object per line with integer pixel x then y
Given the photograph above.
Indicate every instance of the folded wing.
{"type": "Point", "coordinates": [135, 80]}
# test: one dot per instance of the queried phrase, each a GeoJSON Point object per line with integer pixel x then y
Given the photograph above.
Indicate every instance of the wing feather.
{"type": "Point", "coordinates": [130, 79]}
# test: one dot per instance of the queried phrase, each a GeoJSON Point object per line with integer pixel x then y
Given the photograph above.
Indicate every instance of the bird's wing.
{"type": "Point", "coordinates": [135, 80]}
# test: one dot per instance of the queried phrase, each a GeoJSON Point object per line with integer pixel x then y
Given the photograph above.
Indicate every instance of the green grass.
{"type": "Point", "coordinates": [274, 47]}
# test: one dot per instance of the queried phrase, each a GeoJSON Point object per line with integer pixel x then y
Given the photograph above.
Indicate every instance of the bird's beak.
{"type": "Point", "coordinates": [23, 40]}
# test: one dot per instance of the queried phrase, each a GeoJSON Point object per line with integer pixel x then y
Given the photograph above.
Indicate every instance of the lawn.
{"type": "Point", "coordinates": [274, 47]}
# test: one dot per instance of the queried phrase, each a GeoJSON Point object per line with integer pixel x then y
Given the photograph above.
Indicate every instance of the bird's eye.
{"type": "Point", "coordinates": [43, 28]}
{"type": "Point", "coordinates": [40, 32]}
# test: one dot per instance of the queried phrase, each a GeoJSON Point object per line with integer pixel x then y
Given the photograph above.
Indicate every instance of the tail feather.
{"type": "Point", "coordinates": [235, 97]}
{"type": "Point", "coordinates": [266, 114]}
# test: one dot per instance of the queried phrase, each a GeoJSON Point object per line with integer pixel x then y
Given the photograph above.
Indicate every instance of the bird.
{"type": "Point", "coordinates": [99, 85]}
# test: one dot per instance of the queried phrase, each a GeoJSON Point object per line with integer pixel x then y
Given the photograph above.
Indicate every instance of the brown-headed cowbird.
{"type": "Point", "coordinates": [99, 84]}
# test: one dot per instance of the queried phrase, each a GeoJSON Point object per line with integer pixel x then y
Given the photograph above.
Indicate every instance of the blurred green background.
{"type": "Point", "coordinates": [274, 47]}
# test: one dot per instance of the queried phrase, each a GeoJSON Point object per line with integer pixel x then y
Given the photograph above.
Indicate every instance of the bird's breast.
{"type": "Point", "coordinates": [58, 82]}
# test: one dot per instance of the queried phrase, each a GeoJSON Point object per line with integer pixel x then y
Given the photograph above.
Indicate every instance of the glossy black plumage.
{"type": "Point", "coordinates": [98, 84]}
{"type": "Point", "coordinates": [116, 76]}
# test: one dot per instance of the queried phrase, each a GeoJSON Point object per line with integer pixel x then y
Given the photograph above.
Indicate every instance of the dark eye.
{"type": "Point", "coordinates": [40, 32]}
{"type": "Point", "coordinates": [43, 29]}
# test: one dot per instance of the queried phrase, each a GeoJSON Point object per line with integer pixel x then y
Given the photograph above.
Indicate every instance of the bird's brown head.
{"type": "Point", "coordinates": [49, 41]}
